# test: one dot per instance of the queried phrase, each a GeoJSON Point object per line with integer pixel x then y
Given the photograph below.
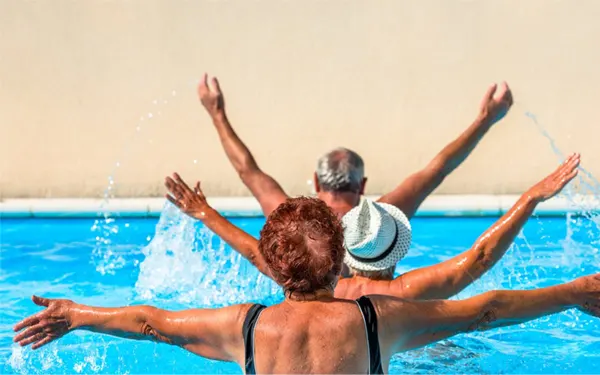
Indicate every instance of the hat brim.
{"type": "Point", "coordinates": [398, 251]}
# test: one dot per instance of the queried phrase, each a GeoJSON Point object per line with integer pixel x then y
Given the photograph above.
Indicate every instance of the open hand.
{"type": "Point", "coordinates": [557, 180]}
{"type": "Point", "coordinates": [495, 105]}
{"type": "Point", "coordinates": [211, 96]}
{"type": "Point", "coordinates": [190, 202]}
{"type": "Point", "coordinates": [45, 326]}
{"type": "Point", "coordinates": [587, 291]}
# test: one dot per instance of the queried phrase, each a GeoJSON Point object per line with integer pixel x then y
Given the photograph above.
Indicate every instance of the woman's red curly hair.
{"type": "Point", "coordinates": [303, 245]}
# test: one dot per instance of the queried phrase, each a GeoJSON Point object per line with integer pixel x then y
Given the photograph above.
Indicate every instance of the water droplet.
{"type": "Point", "coordinates": [195, 161]}
{"type": "Point", "coordinates": [138, 128]}
{"type": "Point", "coordinates": [173, 93]}
{"type": "Point", "coordinates": [118, 164]}
{"type": "Point", "coordinates": [150, 115]}
{"type": "Point", "coordinates": [126, 225]}
{"type": "Point", "coordinates": [148, 238]}
{"type": "Point", "coordinates": [111, 182]}
{"type": "Point", "coordinates": [155, 101]}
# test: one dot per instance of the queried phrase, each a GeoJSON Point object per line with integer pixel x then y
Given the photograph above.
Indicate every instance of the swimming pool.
{"type": "Point", "coordinates": [166, 263]}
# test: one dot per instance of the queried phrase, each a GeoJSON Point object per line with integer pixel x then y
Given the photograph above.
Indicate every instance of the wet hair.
{"type": "Point", "coordinates": [303, 245]}
{"type": "Point", "coordinates": [340, 170]}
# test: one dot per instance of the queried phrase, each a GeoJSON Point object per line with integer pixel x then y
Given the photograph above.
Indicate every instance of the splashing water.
{"type": "Point", "coordinates": [582, 230]}
{"type": "Point", "coordinates": [587, 183]}
{"type": "Point", "coordinates": [106, 258]}
{"type": "Point", "coordinates": [187, 263]}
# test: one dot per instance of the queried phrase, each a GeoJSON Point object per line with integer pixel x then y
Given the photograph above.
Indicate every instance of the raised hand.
{"type": "Point", "coordinates": [587, 291]}
{"type": "Point", "coordinates": [557, 180]}
{"type": "Point", "coordinates": [495, 105]}
{"type": "Point", "coordinates": [48, 325]}
{"type": "Point", "coordinates": [190, 202]}
{"type": "Point", "coordinates": [211, 96]}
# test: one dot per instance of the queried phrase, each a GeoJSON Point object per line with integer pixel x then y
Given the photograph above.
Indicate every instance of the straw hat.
{"type": "Point", "coordinates": [376, 236]}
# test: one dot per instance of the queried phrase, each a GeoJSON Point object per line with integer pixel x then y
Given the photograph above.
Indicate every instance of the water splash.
{"type": "Point", "coordinates": [187, 263]}
{"type": "Point", "coordinates": [585, 185]}
{"type": "Point", "coordinates": [573, 256]}
{"type": "Point", "coordinates": [106, 258]}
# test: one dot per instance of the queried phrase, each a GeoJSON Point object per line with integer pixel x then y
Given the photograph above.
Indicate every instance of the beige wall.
{"type": "Point", "coordinates": [394, 80]}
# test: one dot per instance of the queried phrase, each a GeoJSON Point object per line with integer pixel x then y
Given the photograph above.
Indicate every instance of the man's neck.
{"type": "Point", "coordinates": [340, 203]}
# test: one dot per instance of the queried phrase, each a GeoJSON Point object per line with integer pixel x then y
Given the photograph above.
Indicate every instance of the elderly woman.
{"type": "Point", "coordinates": [311, 331]}
{"type": "Point", "coordinates": [378, 235]}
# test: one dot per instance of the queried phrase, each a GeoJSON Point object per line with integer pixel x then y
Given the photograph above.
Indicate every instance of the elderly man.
{"type": "Point", "coordinates": [339, 179]}
{"type": "Point", "coordinates": [377, 236]}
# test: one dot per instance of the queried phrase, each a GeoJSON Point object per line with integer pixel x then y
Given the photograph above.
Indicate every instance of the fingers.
{"type": "Point", "coordinates": [34, 319]}
{"type": "Point", "coordinates": [566, 165]}
{"type": "Point", "coordinates": [203, 86]}
{"type": "Point", "coordinates": [173, 187]}
{"type": "Point", "coordinates": [489, 94]}
{"type": "Point", "coordinates": [42, 342]}
{"type": "Point", "coordinates": [570, 163]}
{"type": "Point", "coordinates": [506, 93]}
{"type": "Point", "coordinates": [186, 189]}
{"type": "Point", "coordinates": [568, 170]}
{"type": "Point", "coordinates": [214, 85]}
{"type": "Point", "coordinates": [40, 301]}
{"type": "Point", "coordinates": [570, 176]}
{"type": "Point", "coordinates": [199, 191]}
{"type": "Point", "coordinates": [177, 186]}
{"type": "Point", "coordinates": [31, 339]}
{"type": "Point", "coordinates": [174, 201]}
{"type": "Point", "coordinates": [30, 331]}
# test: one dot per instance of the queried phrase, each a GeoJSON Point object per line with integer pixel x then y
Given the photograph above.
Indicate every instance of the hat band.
{"type": "Point", "coordinates": [380, 256]}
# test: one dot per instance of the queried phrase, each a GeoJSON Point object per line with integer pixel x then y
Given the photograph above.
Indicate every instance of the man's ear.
{"type": "Point", "coordinates": [362, 186]}
{"type": "Point", "coordinates": [316, 182]}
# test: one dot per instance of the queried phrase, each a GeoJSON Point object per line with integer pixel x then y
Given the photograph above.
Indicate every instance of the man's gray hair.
{"type": "Point", "coordinates": [340, 170]}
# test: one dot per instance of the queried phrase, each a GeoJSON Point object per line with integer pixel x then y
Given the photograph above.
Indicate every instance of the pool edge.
{"type": "Point", "coordinates": [434, 206]}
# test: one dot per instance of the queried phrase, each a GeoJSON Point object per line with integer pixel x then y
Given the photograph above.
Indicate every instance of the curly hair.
{"type": "Point", "coordinates": [303, 245]}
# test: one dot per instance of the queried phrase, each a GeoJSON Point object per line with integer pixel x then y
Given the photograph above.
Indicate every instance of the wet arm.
{"type": "Point", "coordinates": [448, 278]}
{"type": "Point", "coordinates": [411, 193]}
{"type": "Point", "coordinates": [419, 323]}
{"type": "Point", "coordinates": [235, 237]}
{"type": "Point", "coordinates": [265, 189]}
{"type": "Point", "coordinates": [210, 333]}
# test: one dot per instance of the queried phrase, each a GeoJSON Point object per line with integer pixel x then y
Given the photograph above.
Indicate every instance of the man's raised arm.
{"type": "Point", "coordinates": [411, 193]}
{"type": "Point", "coordinates": [264, 188]}
{"type": "Point", "coordinates": [446, 279]}
{"type": "Point", "coordinates": [210, 333]}
{"type": "Point", "coordinates": [409, 324]}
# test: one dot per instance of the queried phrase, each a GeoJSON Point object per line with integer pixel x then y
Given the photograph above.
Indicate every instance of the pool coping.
{"type": "Point", "coordinates": [434, 206]}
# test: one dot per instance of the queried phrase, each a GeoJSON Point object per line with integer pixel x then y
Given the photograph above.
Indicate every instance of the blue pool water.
{"type": "Point", "coordinates": [175, 263]}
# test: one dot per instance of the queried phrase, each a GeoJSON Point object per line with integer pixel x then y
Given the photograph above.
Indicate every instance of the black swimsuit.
{"type": "Point", "coordinates": [369, 317]}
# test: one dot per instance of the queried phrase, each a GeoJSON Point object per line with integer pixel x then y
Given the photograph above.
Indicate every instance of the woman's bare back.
{"type": "Point", "coordinates": [311, 337]}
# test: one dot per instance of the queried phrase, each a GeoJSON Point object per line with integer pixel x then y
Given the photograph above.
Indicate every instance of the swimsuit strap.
{"type": "Point", "coordinates": [370, 318]}
{"type": "Point", "coordinates": [248, 333]}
